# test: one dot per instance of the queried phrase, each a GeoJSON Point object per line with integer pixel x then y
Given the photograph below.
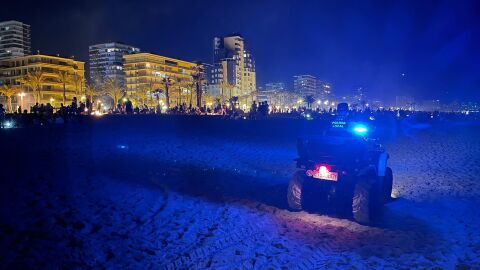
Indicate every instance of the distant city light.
{"type": "Point", "coordinates": [8, 124]}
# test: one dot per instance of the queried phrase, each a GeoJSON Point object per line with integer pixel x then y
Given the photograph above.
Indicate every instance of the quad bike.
{"type": "Point", "coordinates": [343, 170]}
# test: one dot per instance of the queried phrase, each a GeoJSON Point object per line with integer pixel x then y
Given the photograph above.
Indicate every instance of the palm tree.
{"type": "Point", "coordinates": [225, 85]}
{"type": "Point", "coordinates": [142, 93]}
{"type": "Point", "coordinates": [113, 88]}
{"type": "Point", "coordinates": [250, 97]}
{"type": "Point", "coordinates": [180, 85]}
{"type": "Point", "coordinates": [198, 79]}
{"type": "Point", "coordinates": [34, 80]}
{"type": "Point", "coordinates": [154, 88]}
{"type": "Point", "coordinates": [208, 99]}
{"type": "Point", "coordinates": [91, 90]}
{"type": "Point", "coordinates": [166, 83]}
{"type": "Point", "coordinates": [9, 91]}
{"type": "Point", "coordinates": [64, 79]}
{"type": "Point", "coordinates": [78, 82]}
{"type": "Point", "coordinates": [188, 86]}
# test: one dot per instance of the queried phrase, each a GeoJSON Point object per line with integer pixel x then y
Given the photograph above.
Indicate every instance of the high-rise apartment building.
{"type": "Point", "coordinates": [305, 85]}
{"type": "Point", "coordinates": [233, 65]}
{"type": "Point", "coordinates": [324, 89]}
{"type": "Point", "coordinates": [14, 39]}
{"type": "Point", "coordinates": [106, 61]}
{"type": "Point", "coordinates": [275, 86]}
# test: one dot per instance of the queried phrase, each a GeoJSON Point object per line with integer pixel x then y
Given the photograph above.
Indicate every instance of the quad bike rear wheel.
{"type": "Point", "coordinates": [295, 191]}
{"type": "Point", "coordinates": [367, 203]}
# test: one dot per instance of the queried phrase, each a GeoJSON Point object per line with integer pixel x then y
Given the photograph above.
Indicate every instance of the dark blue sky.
{"type": "Point", "coordinates": [436, 44]}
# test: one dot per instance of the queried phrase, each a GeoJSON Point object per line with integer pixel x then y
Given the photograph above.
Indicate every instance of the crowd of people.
{"type": "Point", "coordinates": [45, 113]}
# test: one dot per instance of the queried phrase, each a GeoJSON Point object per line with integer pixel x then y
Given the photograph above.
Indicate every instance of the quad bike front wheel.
{"type": "Point", "coordinates": [367, 203]}
{"type": "Point", "coordinates": [295, 191]}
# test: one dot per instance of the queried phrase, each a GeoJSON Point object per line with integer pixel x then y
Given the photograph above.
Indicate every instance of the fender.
{"type": "Point", "coordinates": [382, 164]}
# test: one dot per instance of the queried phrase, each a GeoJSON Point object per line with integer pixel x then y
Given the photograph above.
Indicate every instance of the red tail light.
{"type": "Point", "coordinates": [323, 172]}
{"type": "Point", "coordinates": [323, 169]}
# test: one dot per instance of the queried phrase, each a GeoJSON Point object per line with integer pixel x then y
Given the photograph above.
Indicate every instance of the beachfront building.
{"type": "Point", "coordinates": [14, 39]}
{"type": "Point", "coordinates": [106, 61]}
{"type": "Point", "coordinates": [149, 74]}
{"type": "Point", "coordinates": [324, 90]}
{"type": "Point", "coordinates": [305, 85]}
{"type": "Point", "coordinates": [233, 71]}
{"type": "Point", "coordinates": [49, 71]}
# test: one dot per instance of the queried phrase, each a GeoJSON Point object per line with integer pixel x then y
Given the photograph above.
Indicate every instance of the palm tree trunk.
{"type": "Point", "coordinates": [10, 104]}
{"type": "Point", "coordinates": [64, 94]}
{"type": "Point", "coordinates": [179, 99]}
{"type": "Point", "coordinates": [191, 97]}
{"type": "Point", "coordinates": [199, 95]}
{"type": "Point", "coordinates": [167, 97]}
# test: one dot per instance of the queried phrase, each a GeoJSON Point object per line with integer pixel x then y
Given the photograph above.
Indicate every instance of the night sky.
{"type": "Point", "coordinates": [435, 44]}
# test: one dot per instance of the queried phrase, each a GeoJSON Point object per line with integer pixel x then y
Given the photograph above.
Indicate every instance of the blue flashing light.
{"type": "Point", "coordinates": [360, 129]}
